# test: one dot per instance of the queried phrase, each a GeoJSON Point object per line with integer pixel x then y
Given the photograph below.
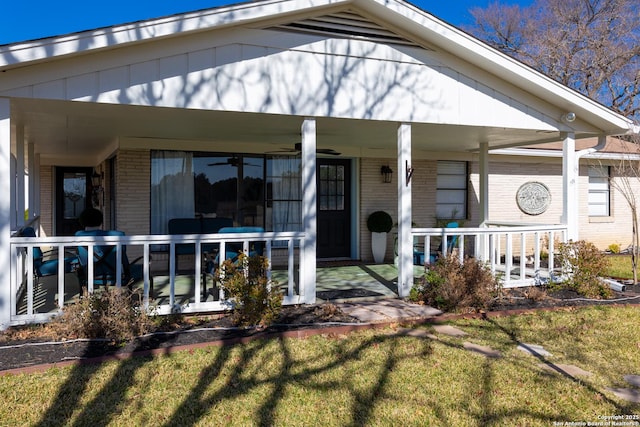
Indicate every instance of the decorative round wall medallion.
{"type": "Point", "coordinates": [533, 198]}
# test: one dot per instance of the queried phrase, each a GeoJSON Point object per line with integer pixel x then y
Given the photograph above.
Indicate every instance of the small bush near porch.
{"type": "Point", "coordinates": [453, 286]}
{"type": "Point", "coordinates": [376, 377]}
{"type": "Point", "coordinates": [256, 300]}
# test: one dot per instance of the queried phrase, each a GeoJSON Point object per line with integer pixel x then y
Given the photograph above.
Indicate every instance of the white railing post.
{"type": "Point", "coordinates": [523, 260]}
{"type": "Point", "coordinates": [172, 274]}
{"type": "Point", "coordinates": [61, 273]}
{"type": "Point", "coordinates": [290, 269]}
{"type": "Point", "coordinates": [508, 260]}
{"type": "Point", "coordinates": [146, 273]}
{"type": "Point", "coordinates": [492, 252]}
{"type": "Point", "coordinates": [30, 276]}
{"type": "Point", "coordinates": [197, 272]}
{"type": "Point", "coordinates": [536, 250]}
{"type": "Point", "coordinates": [551, 249]}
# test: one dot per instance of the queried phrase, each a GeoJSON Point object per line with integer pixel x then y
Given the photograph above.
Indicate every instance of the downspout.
{"type": "Point", "coordinates": [602, 141]}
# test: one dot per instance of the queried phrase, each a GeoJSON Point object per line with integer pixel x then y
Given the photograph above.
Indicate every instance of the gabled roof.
{"type": "Point", "coordinates": [388, 21]}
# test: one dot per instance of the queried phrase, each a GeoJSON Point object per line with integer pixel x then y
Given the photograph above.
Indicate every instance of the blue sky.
{"type": "Point", "coordinates": [32, 19]}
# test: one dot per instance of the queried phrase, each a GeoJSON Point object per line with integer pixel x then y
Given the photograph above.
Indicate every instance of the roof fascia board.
{"type": "Point", "coordinates": [110, 37]}
{"type": "Point", "coordinates": [535, 152]}
{"type": "Point", "coordinates": [439, 33]}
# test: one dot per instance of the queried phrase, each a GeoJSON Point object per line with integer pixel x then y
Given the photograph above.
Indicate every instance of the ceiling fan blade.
{"type": "Point", "coordinates": [330, 151]}
{"type": "Point", "coordinates": [283, 151]}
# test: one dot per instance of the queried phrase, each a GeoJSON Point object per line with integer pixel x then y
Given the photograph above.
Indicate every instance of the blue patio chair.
{"type": "Point", "coordinates": [104, 263]}
{"type": "Point", "coordinates": [232, 250]}
{"type": "Point", "coordinates": [418, 252]}
{"type": "Point", "coordinates": [46, 263]}
{"type": "Point", "coordinates": [196, 226]}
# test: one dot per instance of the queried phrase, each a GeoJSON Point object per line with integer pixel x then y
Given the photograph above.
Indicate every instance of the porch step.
{"type": "Point", "coordinates": [387, 310]}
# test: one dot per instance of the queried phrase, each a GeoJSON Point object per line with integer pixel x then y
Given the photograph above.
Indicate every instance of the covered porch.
{"type": "Point", "coordinates": [116, 103]}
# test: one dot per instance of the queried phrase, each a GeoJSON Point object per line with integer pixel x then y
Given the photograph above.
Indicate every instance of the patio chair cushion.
{"type": "Point", "coordinates": [232, 250]}
{"type": "Point", "coordinates": [46, 263]}
{"type": "Point", "coordinates": [105, 256]}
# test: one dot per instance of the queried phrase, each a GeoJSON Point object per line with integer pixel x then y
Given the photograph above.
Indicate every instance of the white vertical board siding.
{"type": "Point", "coordinates": [281, 73]}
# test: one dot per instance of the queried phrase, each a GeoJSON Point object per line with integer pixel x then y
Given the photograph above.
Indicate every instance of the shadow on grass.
{"type": "Point", "coordinates": [513, 337]}
{"type": "Point", "coordinates": [231, 377]}
{"type": "Point", "coordinates": [102, 408]}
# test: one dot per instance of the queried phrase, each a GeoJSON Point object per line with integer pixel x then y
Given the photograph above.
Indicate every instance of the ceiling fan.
{"type": "Point", "coordinates": [231, 161]}
{"type": "Point", "coordinates": [297, 148]}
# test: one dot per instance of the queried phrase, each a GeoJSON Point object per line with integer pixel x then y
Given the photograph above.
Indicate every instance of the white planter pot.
{"type": "Point", "coordinates": [378, 246]}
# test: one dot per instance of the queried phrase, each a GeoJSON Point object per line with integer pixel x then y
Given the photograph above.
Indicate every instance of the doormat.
{"type": "Point", "coordinates": [347, 293]}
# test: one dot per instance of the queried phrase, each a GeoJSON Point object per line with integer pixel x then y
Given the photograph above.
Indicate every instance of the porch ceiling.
{"type": "Point", "coordinates": [80, 132]}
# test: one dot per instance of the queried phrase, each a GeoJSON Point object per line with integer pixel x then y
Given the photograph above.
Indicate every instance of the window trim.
{"type": "Point", "coordinates": [591, 191]}
{"type": "Point", "coordinates": [465, 214]}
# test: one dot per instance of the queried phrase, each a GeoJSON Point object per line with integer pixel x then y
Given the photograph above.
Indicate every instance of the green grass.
{"type": "Point", "coordinates": [620, 266]}
{"type": "Point", "coordinates": [375, 377]}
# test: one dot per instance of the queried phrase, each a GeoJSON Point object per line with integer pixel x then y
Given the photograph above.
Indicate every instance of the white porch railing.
{"type": "Point", "coordinates": [515, 252]}
{"type": "Point", "coordinates": [25, 293]}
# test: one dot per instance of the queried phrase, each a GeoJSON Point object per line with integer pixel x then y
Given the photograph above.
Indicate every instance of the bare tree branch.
{"type": "Point", "coordinates": [592, 46]}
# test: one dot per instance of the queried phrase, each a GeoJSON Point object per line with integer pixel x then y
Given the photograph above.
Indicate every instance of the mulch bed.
{"type": "Point", "coordinates": [525, 298]}
{"type": "Point", "coordinates": [25, 347]}
{"type": "Point", "coordinates": [21, 348]}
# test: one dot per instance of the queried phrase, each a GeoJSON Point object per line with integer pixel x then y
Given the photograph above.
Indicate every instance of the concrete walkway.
{"type": "Point", "coordinates": [387, 310]}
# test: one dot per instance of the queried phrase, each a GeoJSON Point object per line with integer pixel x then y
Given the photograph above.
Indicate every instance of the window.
{"type": "Point", "coordinates": [451, 190]}
{"type": "Point", "coordinates": [331, 193]}
{"type": "Point", "coordinates": [599, 191]}
{"type": "Point", "coordinates": [251, 189]}
{"type": "Point", "coordinates": [284, 194]}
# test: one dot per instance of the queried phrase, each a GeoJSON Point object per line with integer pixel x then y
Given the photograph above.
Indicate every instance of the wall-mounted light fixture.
{"type": "Point", "coordinates": [96, 186]}
{"type": "Point", "coordinates": [569, 117]}
{"type": "Point", "coordinates": [387, 173]}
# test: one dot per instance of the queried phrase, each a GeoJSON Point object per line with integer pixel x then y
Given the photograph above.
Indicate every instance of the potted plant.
{"type": "Point", "coordinates": [379, 224]}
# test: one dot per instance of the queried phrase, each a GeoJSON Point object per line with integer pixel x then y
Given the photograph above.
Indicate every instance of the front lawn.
{"type": "Point", "coordinates": [377, 377]}
{"type": "Point", "coordinates": [620, 266]}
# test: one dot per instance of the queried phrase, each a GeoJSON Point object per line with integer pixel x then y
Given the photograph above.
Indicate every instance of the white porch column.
{"type": "Point", "coordinates": [5, 213]}
{"type": "Point", "coordinates": [309, 214]}
{"type": "Point", "coordinates": [33, 179]}
{"type": "Point", "coordinates": [483, 244]}
{"type": "Point", "coordinates": [570, 186]}
{"type": "Point", "coordinates": [484, 182]}
{"type": "Point", "coordinates": [405, 241]}
{"type": "Point", "coordinates": [20, 176]}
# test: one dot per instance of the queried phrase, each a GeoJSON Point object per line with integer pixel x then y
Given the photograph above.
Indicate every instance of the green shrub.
{"type": "Point", "coordinates": [582, 266]}
{"type": "Point", "coordinates": [379, 222]}
{"type": "Point", "coordinates": [453, 286]}
{"type": "Point", "coordinates": [257, 301]}
{"type": "Point", "coordinates": [111, 313]}
{"type": "Point", "coordinates": [614, 248]}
